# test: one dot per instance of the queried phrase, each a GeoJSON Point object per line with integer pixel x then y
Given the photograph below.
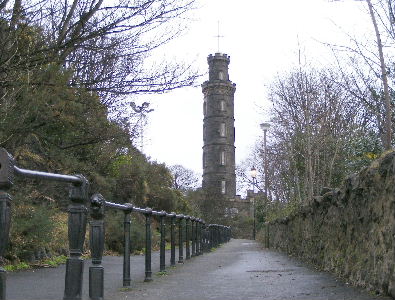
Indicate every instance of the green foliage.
{"type": "Point", "coordinates": [17, 267]}
{"type": "Point", "coordinates": [119, 163]}
{"type": "Point", "coordinates": [55, 261]}
{"type": "Point", "coordinates": [161, 273]}
{"type": "Point", "coordinates": [126, 289]}
{"type": "Point", "coordinates": [31, 230]}
{"type": "Point", "coordinates": [114, 233]}
{"type": "Point", "coordinates": [279, 210]}
{"type": "Point", "coordinates": [242, 226]}
{"type": "Point", "coordinates": [362, 150]}
{"type": "Point", "coordinates": [53, 127]}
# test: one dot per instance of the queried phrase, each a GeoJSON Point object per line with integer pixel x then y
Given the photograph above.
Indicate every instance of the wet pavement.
{"type": "Point", "coordinates": [239, 270]}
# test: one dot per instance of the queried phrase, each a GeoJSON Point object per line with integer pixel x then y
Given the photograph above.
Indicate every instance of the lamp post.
{"type": "Point", "coordinates": [253, 173]}
{"type": "Point", "coordinates": [265, 127]}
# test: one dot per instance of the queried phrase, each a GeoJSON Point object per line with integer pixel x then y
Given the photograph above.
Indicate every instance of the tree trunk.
{"type": "Point", "coordinates": [384, 77]}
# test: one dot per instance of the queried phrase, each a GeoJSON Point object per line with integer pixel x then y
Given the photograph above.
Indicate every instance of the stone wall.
{"type": "Point", "coordinates": [347, 231]}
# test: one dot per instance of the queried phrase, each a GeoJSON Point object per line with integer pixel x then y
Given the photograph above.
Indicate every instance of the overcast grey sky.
{"type": "Point", "coordinates": [262, 39]}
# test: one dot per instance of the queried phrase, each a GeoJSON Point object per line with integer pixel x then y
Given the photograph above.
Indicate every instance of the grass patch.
{"type": "Point", "coordinates": [126, 289]}
{"type": "Point", "coordinates": [17, 267]}
{"type": "Point", "coordinates": [139, 252]}
{"type": "Point", "coordinates": [161, 273]}
{"type": "Point", "coordinates": [55, 261]}
{"type": "Point", "coordinates": [52, 262]}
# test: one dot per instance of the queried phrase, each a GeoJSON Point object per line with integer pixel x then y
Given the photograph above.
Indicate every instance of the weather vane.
{"type": "Point", "coordinates": [218, 37]}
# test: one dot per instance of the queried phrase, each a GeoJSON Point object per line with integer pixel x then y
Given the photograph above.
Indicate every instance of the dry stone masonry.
{"type": "Point", "coordinates": [348, 231]}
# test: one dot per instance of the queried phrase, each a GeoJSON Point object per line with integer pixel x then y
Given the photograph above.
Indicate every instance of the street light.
{"type": "Point", "coordinates": [253, 174]}
{"type": "Point", "coordinates": [265, 127]}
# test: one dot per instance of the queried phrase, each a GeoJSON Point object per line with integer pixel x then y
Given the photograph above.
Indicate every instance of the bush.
{"type": "Point", "coordinates": [114, 232]}
{"type": "Point", "coordinates": [242, 227]}
{"type": "Point", "coordinates": [36, 231]}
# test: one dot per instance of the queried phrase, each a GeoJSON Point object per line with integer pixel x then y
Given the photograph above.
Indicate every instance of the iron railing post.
{"type": "Point", "coordinates": [127, 223]}
{"type": "Point", "coordinates": [6, 182]}
{"type": "Point", "coordinates": [187, 237]}
{"type": "Point", "coordinates": [96, 270]}
{"type": "Point", "coordinates": [204, 238]}
{"type": "Point", "coordinates": [162, 264]}
{"type": "Point", "coordinates": [172, 239]}
{"type": "Point", "coordinates": [218, 235]}
{"type": "Point", "coordinates": [215, 231]}
{"type": "Point", "coordinates": [216, 243]}
{"type": "Point", "coordinates": [77, 227]}
{"type": "Point", "coordinates": [213, 236]}
{"type": "Point", "coordinates": [199, 237]}
{"type": "Point", "coordinates": [193, 235]}
{"type": "Point", "coordinates": [180, 239]}
{"type": "Point", "coordinates": [209, 238]}
{"type": "Point", "coordinates": [148, 271]}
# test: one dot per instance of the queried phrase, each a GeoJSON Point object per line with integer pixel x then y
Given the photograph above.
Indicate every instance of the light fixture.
{"type": "Point", "coordinates": [253, 172]}
{"type": "Point", "coordinates": [265, 126]}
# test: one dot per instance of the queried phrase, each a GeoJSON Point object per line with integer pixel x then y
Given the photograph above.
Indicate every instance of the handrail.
{"type": "Point", "coordinates": [47, 176]}
{"type": "Point", "coordinates": [203, 237]}
{"type": "Point", "coordinates": [124, 207]}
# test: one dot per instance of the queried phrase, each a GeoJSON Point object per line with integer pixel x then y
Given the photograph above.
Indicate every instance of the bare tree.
{"type": "Point", "coordinates": [106, 44]}
{"type": "Point", "coordinates": [184, 179]}
{"type": "Point", "coordinates": [314, 123]}
{"type": "Point", "coordinates": [384, 78]}
{"type": "Point", "coordinates": [382, 17]}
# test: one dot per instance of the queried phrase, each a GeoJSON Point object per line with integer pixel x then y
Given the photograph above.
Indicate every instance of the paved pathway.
{"type": "Point", "coordinates": [239, 270]}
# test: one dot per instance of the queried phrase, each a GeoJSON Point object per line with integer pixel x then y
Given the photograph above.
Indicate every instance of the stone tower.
{"type": "Point", "coordinates": [218, 129]}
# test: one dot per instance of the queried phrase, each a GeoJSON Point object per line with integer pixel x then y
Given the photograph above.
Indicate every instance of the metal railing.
{"type": "Point", "coordinates": [190, 229]}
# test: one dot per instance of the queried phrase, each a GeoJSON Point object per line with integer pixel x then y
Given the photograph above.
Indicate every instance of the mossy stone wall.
{"type": "Point", "coordinates": [349, 230]}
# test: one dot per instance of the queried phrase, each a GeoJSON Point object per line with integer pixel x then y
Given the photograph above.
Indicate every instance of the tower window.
{"type": "Point", "coordinates": [222, 105]}
{"type": "Point", "coordinates": [220, 75]}
{"type": "Point", "coordinates": [204, 107]}
{"type": "Point", "coordinates": [222, 158]}
{"type": "Point", "coordinates": [223, 186]}
{"type": "Point", "coordinates": [222, 130]}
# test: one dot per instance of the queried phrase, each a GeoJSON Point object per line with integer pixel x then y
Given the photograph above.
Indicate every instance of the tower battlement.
{"type": "Point", "coordinates": [219, 56]}
{"type": "Point", "coordinates": [218, 67]}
